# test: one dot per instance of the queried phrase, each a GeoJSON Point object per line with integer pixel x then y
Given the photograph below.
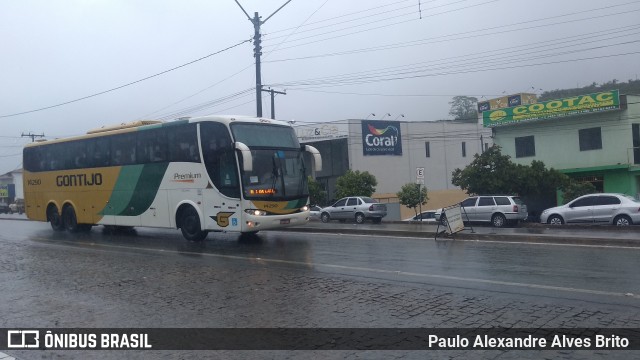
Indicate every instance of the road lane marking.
{"type": "Point", "coordinates": [360, 269]}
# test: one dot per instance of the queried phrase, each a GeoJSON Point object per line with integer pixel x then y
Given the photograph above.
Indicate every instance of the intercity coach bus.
{"type": "Point", "coordinates": [212, 173]}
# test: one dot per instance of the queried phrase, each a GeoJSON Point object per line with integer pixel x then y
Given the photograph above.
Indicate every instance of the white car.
{"type": "Point", "coordinates": [425, 216]}
{"type": "Point", "coordinates": [605, 208]}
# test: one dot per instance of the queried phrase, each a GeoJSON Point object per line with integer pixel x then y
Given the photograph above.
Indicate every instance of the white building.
{"type": "Point", "coordinates": [393, 151]}
{"type": "Point", "coordinates": [11, 186]}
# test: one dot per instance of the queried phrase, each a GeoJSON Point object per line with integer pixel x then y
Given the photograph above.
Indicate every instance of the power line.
{"type": "Point", "coordinates": [234, 74]}
{"type": "Point", "coordinates": [457, 36]}
{"type": "Point", "coordinates": [400, 77]}
{"type": "Point", "coordinates": [346, 15]}
{"type": "Point", "coordinates": [369, 17]}
{"type": "Point", "coordinates": [128, 84]}
{"type": "Point", "coordinates": [448, 61]}
{"type": "Point", "coordinates": [207, 104]}
{"type": "Point", "coordinates": [369, 29]}
{"type": "Point", "coordinates": [198, 92]}
{"type": "Point", "coordinates": [214, 103]}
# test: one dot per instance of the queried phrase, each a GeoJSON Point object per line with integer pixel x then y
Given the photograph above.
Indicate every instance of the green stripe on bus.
{"type": "Point", "coordinates": [123, 189]}
{"type": "Point", "coordinates": [135, 189]}
{"type": "Point", "coordinates": [146, 189]}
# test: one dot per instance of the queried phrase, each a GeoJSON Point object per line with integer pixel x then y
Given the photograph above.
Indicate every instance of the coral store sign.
{"type": "Point", "coordinates": [381, 138]}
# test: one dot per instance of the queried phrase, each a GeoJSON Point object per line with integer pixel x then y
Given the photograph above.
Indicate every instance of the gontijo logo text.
{"type": "Point", "coordinates": [79, 180]}
{"type": "Point", "coordinates": [381, 138]}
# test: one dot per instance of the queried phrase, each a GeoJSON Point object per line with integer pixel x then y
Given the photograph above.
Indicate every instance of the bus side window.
{"type": "Point", "coordinates": [152, 146]}
{"type": "Point", "coordinates": [98, 154]}
{"type": "Point", "coordinates": [123, 149]}
{"type": "Point", "coordinates": [183, 143]}
{"type": "Point", "coordinates": [79, 153]}
{"type": "Point", "coordinates": [52, 162]}
{"type": "Point", "coordinates": [32, 161]}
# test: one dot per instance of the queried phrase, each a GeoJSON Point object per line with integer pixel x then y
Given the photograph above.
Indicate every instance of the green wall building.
{"type": "Point", "coordinates": [592, 137]}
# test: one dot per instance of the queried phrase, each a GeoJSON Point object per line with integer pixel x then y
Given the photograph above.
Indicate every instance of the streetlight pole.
{"type": "Point", "coordinates": [273, 103]}
{"type": "Point", "coordinates": [257, 51]}
{"type": "Point", "coordinates": [32, 136]}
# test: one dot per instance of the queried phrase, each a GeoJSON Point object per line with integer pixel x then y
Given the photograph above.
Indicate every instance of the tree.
{"type": "Point", "coordinates": [494, 173]}
{"type": "Point", "coordinates": [576, 189]}
{"type": "Point", "coordinates": [489, 173]}
{"type": "Point", "coordinates": [317, 195]}
{"type": "Point", "coordinates": [536, 179]}
{"type": "Point", "coordinates": [411, 197]}
{"type": "Point", "coordinates": [464, 108]}
{"type": "Point", "coordinates": [356, 183]}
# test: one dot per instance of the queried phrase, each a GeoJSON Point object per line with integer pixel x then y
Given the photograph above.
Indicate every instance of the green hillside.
{"type": "Point", "coordinates": [630, 87]}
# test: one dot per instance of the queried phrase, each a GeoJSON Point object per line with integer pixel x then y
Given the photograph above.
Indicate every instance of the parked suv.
{"type": "Point", "coordinates": [616, 209]}
{"type": "Point", "coordinates": [358, 208]}
{"type": "Point", "coordinates": [495, 209]}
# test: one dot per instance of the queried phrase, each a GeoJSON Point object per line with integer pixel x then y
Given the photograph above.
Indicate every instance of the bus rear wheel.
{"type": "Point", "coordinates": [190, 225]}
{"type": "Point", "coordinates": [69, 219]}
{"type": "Point", "coordinates": [54, 218]}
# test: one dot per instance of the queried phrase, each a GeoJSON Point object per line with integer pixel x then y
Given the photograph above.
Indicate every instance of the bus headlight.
{"type": "Point", "coordinates": [305, 208]}
{"type": "Point", "coordinates": [256, 212]}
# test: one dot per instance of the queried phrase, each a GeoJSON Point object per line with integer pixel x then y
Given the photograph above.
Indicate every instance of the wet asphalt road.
{"type": "Point", "coordinates": [153, 278]}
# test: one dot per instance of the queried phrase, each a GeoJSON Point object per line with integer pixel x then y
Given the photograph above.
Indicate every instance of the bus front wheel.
{"type": "Point", "coordinates": [54, 218]}
{"type": "Point", "coordinates": [190, 225]}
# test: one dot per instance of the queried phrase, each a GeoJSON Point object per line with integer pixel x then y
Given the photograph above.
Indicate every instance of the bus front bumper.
{"type": "Point", "coordinates": [257, 223]}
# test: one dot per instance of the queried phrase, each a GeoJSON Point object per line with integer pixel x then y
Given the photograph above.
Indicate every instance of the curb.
{"type": "Point", "coordinates": [430, 235]}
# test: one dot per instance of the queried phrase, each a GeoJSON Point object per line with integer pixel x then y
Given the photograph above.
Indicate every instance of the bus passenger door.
{"type": "Point", "coordinates": [222, 207]}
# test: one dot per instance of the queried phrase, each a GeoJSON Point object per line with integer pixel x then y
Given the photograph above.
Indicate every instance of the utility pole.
{"type": "Point", "coordinates": [32, 136]}
{"type": "Point", "coordinates": [273, 103]}
{"type": "Point", "coordinates": [257, 51]}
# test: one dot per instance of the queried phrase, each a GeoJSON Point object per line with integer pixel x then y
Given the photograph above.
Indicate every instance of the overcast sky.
{"type": "Point", "coordinates": [335, 59]}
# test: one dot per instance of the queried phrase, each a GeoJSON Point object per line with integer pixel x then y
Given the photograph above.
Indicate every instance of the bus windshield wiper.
{"type": "Point", "coordinates": [277, 174]}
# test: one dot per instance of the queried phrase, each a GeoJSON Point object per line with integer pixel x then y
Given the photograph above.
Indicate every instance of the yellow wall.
{"type": "Point", "coordinates": [437, 199]}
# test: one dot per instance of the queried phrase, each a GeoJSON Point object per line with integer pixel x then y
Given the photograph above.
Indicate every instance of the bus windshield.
{"type": "Point", "coordinates": [277, 174]}
{"type": "Point", "coordinates": [278, 165]}
{"type": "Point", "coordinates": [263, 135]}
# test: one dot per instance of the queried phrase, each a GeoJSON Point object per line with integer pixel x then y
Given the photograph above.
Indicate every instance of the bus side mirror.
{"type": "Point", "coordinates": [317, 159]}
{"type": "Point", "coordinates": [247, 158]}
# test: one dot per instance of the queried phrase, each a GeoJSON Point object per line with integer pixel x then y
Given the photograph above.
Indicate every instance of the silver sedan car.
{"type": "Point", "coordinates": [605, 208]}
{"type": "Point", "coordinates": [358, 208]}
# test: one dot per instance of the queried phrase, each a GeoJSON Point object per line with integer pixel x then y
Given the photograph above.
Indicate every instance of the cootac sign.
{"type": "Point", "coordinates": [560, 108]}
{"type": "Point", "coordinates": [381, 138]}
